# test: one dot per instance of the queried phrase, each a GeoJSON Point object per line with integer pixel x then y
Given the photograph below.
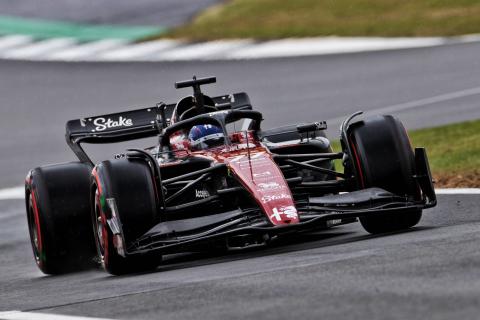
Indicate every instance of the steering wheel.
{"type": "Point", "coordinates": [193, 111]}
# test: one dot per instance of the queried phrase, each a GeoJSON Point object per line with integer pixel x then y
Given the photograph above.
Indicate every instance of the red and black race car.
{"type": "Point", "coordinates": [217, 180]}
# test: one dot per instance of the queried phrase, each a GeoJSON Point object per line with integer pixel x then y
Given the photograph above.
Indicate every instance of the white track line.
{"type": "Point", "coordinates": [202, 51]}
{"type": "Point", "coordinates": [37, 50]}
{"type": "Point", "coordinates": [428, 101]}
{"type": "Point", "coordinates": [12, 193]}
{"type": "Point", "coordinates": [415, 103]}
{"type": "Point", "coordinates": [19, 315]}
{"type": "Point", "coordinates": [464, 39]}
{"type": "Point", "coordinates": [19, 192]}
{"type": "Point", "coordinates": [458, 191]}
{"type": "Point", "coordinates": [87, 51]}
{"type": "Point", "coordinates": [315, 46]}
{"type": "Point", "coordinates": [138, 51]}
{"type": "Point", "coordinates": [9, 42]}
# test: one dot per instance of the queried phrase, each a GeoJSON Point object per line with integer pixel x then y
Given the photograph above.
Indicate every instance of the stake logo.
{"type": "Point", "coordinates": [266, 199]}
{"type": "Point", "coordinates": [102, 124]}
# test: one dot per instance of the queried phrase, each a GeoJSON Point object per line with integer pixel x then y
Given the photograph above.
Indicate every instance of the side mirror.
{"type": "Point", "coordinates": [311, 127]}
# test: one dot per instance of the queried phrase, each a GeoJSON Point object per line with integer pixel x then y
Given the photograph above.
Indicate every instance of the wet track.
{"type": "Point", "coordinates": [431, 271]}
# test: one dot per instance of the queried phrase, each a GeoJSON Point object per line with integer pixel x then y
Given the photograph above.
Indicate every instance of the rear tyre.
{"type": "Point", "coordinates": [383, 157]}
{"type": "Point", "coordinates": [58, 214]}
{"type": "Point", "coordinates": [130, 185]}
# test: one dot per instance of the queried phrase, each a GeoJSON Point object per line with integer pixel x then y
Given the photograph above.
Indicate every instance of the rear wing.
{"type": "Point", "coordinates": [134, 124]}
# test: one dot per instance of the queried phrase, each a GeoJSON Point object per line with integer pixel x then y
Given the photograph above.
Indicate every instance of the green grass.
{"type": "Point", "coordinates": [453, 151]}
{"type": "Point", "coordinates": [272, 19]}
{"type": "Point", "coordinates": [452, 148]}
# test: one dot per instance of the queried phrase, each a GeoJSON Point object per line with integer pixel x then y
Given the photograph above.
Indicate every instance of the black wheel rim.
{"type": "Point", "coordinates": [100, 230]}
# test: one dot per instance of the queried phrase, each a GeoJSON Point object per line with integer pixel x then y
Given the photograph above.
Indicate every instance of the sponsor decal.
{"type": "Point", "coordinates": [218, 112]}
{"type": "Point", "coordinates": [269, 186]}
{"type": "Point", "coordinates": [320, 125]}
{"type": "Point", "coordinates": [102, 124]}
{"type": "Point", "coordinates": [245, 159]}
{"type": "Point", "coordinates": [333, 222]}
{"type": "Point", "coordinates": [202, 193]}
{"type": "Point", "coordinates": [266, 199]}
{"type": "Point", "coordinates": [256, 163]}
{"type": "Point", "coordinates": [288, 212]}
{"type": "Point", "coordinates": [262, 174]}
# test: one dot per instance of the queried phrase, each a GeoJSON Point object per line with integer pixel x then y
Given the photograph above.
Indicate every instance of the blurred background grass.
{"type": "Point", "coordinates": [453, 151]}
{"type": "Point", "coordinates": [273, 19]}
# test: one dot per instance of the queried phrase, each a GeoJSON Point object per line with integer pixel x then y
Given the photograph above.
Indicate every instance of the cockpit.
{"type": "Point", "coordinates": [213, 129]}
{"type": "Point", "coordinates": [198, 123]}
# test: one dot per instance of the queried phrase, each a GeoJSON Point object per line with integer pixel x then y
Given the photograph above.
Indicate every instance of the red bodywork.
{"type": "Point", "coordinates": [253, 166]}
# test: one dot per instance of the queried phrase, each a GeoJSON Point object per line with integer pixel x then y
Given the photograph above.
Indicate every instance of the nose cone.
{"type": "Point", "coordinates": [260, 175]}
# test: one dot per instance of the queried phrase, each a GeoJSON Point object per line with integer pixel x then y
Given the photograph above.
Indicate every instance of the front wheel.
{"type": "Point", "coordinates": [123, 208]}
{"type": "Point", "coordinates": [383, 157]}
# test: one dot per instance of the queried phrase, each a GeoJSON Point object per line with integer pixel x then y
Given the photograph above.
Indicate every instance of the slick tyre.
{"type": "Point", "coordinates": [123, 194]}
{"type": "Point", "coordinates": [383, 157]}
{"type": "Point", "coordinates": [58, 213]}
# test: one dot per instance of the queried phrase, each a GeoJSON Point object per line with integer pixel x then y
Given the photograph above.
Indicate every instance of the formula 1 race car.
{"type": "Point", "coordinates": [217, 180]}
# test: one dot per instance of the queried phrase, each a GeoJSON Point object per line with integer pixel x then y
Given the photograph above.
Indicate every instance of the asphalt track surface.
{"type": "Point", "coordinates": [429, 272]}
{"type": "Point", "coordinates": [166, 13]}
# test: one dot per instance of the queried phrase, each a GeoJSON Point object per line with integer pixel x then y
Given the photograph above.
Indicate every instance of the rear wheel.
{"type": "Point", "coordinates": [123, 198]}
{"type": "Point", "coordinates": [58, 215]}
{"type": "Point", "coordinates": [383, 157]}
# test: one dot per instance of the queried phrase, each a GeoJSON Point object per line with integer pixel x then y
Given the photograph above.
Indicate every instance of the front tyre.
{"type": "Point", "coordinates": [123, 208]}
{"type": "Point", "coordinates": [383, 157]}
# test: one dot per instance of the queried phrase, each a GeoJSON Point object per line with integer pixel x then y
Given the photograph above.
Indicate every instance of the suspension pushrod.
{"type": "Point", "coordinates": [187, 187]}
{"type": "Point", "coordinates": [314, 168]}
{"type": "Point", "coordinates": [289, 166]}
{"type": "Point", "coordinates": [193, 174]}
{"type": "Point", "coordinates": [318, 156]}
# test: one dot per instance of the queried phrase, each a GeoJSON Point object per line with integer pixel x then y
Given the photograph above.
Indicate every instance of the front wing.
{"type": "Point", "coordinates": [242, 228]}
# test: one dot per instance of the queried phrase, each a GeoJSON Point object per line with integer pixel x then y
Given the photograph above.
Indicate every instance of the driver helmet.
{"type": "Point", "coordinates": [205, 136]}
